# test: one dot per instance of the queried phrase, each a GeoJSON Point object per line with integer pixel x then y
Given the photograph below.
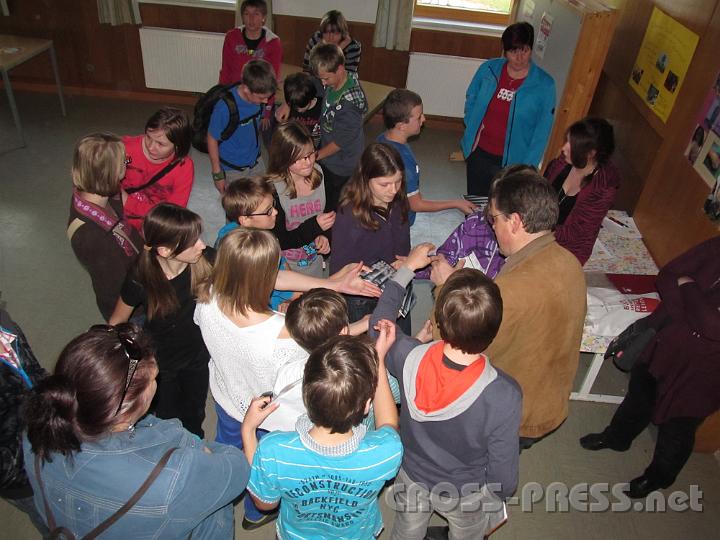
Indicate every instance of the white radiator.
{"type": "Point", "coordinates": [441, 81]}
{"type": "Point", "coordinates": [180, 59]}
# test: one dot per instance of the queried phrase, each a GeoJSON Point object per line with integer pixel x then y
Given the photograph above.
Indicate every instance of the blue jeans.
{"type": "Point", "coordinates": [228, 432]}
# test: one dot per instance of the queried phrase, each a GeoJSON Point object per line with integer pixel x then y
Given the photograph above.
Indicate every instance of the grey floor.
{"type": "Point", "coordinates": [49, 294]}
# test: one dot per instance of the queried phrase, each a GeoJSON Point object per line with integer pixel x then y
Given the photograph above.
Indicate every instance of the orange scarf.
{"type": "Point", "coordinates": [437, 385]}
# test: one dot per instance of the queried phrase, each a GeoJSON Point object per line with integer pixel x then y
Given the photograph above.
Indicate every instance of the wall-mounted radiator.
{"type": "Point", "coordinates": [441, 81]}
{"type": "Point", "coordinates": [180, 59]}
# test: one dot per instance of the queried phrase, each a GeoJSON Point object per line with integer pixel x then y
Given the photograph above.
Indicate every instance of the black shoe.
{"type": "Point", "coordinates": [437, 533]}
{"type": "Point", "coordinates": [599, 441]}
{"type": "Point", "coordinates": [251, 525]}
{"type": "Point", "coordinates": [642, 486]}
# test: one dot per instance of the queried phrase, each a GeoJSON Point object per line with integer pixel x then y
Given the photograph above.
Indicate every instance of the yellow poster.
{"type": "Point", "coordinates": [662, 63]}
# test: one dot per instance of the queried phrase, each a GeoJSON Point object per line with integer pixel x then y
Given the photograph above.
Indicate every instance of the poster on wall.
{"type": "Point", "coordinates": [703, 150]}
{"type": "Point", "coordinates": [546, 23]}
{"type": "Point", "coordinates": [662, 63]}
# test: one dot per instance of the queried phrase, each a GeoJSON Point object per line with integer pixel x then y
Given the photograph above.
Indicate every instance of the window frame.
{"type": "Point", "coordinates": [466, 15]}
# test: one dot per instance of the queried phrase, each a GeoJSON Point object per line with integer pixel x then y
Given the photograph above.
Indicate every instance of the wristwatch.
{"type": "Point", "coordinates": [217, 176]}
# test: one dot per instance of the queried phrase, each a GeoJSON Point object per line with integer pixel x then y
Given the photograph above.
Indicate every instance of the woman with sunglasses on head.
{"type": "Point", "coordinates": [89, 446]}
{"type": "Point", "coordinates": [101, 238]}
{"type": "Point", "coordinates": [173, 262]}
{"type": "Point", "coordinates": [586, 182]}
{"type": "Point", "coordinates": [301, 195]}
{"type": "Point", "coordinates": [159, 166]}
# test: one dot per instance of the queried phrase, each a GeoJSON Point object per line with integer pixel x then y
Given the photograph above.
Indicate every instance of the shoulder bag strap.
{"type": "Point", "coordinates": [75, 224]}
{"type": "Point", "coordinates": [97, 531]}
{"type": "Point", "coordinates": [170, 166]}
{"type": "Point", "coordinates": [55, 531]}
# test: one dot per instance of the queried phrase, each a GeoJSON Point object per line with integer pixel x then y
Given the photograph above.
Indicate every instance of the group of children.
{"type": "Point", "coordinates": [328, 439]}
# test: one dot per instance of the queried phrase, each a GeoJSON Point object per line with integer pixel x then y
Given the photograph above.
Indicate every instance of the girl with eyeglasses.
{"type": "Point", "coordinates": [102, 239]}
{"type": "Point", "coordinates": [89, 446]}
{"type": "Point", "coordinates": [301, 195]}
{"type": "Point", "coordinates": [334, 29]}
{"type": "Point", "coordinates": [173, 262]}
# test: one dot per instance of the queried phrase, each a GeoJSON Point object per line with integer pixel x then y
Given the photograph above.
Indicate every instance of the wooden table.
{"type": "Point", "coordinates": [374, 92]}
{"type": "Point", "coordinates": [14, 50]}
{"type": "Point", "coordinates": [619, 254]}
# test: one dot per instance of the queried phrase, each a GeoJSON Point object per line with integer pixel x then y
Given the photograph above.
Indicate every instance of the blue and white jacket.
{"type": "Point", "coordinates": [531, 112]}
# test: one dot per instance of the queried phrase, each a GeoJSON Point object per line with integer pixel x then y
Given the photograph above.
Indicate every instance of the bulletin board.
{"type": "Point", "coordinates": [662, 63]}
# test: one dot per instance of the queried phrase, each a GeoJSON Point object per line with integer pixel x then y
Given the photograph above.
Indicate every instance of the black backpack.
{"type": "Point", "coordinates": [203, 111]}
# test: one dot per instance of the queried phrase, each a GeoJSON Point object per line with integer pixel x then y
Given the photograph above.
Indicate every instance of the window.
{"type": "Point", "coordinates": [480, 11]}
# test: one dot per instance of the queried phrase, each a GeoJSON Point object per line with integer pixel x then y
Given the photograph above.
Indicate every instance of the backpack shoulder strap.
{"type": "Point", "coordinates": [97, 531]}
{"type": "Point", "coordinates": [156, 178]}
{"type": "Point", "coordinates": [75, 224]}
{"type": "Point", "coordinates": [234, 120]}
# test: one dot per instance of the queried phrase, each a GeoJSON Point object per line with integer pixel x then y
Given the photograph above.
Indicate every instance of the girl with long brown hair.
{"type": "Point", "coordinates": [372, 219]}
{"type": "Point", "coordinates": [165, 281]}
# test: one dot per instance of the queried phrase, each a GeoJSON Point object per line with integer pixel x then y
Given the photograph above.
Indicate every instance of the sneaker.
{"type": "Point", "coordinates": [251, 525]}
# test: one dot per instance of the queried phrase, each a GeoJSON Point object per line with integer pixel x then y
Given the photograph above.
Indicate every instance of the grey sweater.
{"type": "Point", "coordinates": [474, 440]}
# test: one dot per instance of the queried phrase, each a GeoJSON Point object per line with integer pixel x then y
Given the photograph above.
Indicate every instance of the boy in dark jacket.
{"type": "Point", "coordinates": [460, 416]}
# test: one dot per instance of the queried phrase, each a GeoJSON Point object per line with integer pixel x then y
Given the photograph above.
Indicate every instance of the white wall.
{"type": "Point", "coordinates": [354, 10]}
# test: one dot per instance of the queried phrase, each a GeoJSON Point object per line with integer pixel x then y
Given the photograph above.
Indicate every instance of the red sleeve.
{"type": "Point", "coordinates": [228, 57]}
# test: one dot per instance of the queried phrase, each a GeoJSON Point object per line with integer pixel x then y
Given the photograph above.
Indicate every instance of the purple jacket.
{"type": "Point", "coordinates": [473, 235]}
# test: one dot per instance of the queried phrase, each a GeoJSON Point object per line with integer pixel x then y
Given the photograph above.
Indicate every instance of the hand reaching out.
{"type": "Point", "coordinates": [348, 281]}
{"type": "Point", "coordinates": [425, 334]}
{"type": "Point", "coordinates": [441, 269]}
{"type": "Point", "coordinates": [466, 207]}
{"type": "Point", "coordinates": [386, 337]}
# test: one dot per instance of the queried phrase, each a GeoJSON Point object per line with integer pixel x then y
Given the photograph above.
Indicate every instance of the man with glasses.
{"type": "Point", "coordinates": [543, 291]}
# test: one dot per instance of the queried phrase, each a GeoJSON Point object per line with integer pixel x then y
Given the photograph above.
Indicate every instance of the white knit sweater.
{"type": "Point", "coordinates": [244, 362]}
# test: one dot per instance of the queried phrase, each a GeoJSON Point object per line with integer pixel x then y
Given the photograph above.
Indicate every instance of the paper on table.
{"type": "Point", "coordinates": [626, 226]}
{"type": "Point", "coordinates": [600, 251]}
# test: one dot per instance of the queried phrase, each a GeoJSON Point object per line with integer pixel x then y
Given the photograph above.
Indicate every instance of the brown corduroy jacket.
{"type": "Point", "coordinates": [544, 303]}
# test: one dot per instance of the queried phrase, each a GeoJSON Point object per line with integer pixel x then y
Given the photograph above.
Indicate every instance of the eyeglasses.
{"type": "Point", "coordinates": [490, 218]}
{"type": "Point", "coordinates": [132, 351]}
{"type": "Point", "coordinates": [267, 212]}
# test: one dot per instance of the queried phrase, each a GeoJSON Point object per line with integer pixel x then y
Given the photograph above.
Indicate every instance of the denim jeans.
{"type": "Point", "coordinates": [228, 432]}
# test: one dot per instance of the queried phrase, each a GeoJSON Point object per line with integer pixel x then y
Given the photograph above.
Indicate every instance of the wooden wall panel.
{"type": "Point", "coordinates": [659, 185]}
{"type": "Point", "coordinates": [467, 45]}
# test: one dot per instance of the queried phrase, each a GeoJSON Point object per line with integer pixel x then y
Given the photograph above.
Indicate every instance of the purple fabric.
{"type": "Point", "coordinates": [473, 235]}
{"type": "Point", "coordinates": [351, 242]}
{"type": "Point", "coordinates": [685, 356]}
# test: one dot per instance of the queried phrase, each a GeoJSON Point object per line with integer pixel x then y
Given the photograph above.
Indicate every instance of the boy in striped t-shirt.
{"type": "Point", "coordinates": [329, 471]}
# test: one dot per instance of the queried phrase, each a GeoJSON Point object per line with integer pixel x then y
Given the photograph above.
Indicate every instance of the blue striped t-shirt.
{"type": "Point", "coordinates": [325, 496]}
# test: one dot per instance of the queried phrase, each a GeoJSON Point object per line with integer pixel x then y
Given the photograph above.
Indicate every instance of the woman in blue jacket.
{"type": "Point", "coordinates": [90, 444]}
{"type": "Point", "coordinates": [509, 109]}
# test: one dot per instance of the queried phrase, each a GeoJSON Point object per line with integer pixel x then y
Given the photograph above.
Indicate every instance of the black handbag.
{"type": "Point", "coordinates": [627, 347]}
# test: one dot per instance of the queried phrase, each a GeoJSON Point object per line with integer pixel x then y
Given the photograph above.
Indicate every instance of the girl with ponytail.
{"type": "Point", "coordinates": [165, 279]}
{"type": "Point", "coordinates": [89, 446]}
